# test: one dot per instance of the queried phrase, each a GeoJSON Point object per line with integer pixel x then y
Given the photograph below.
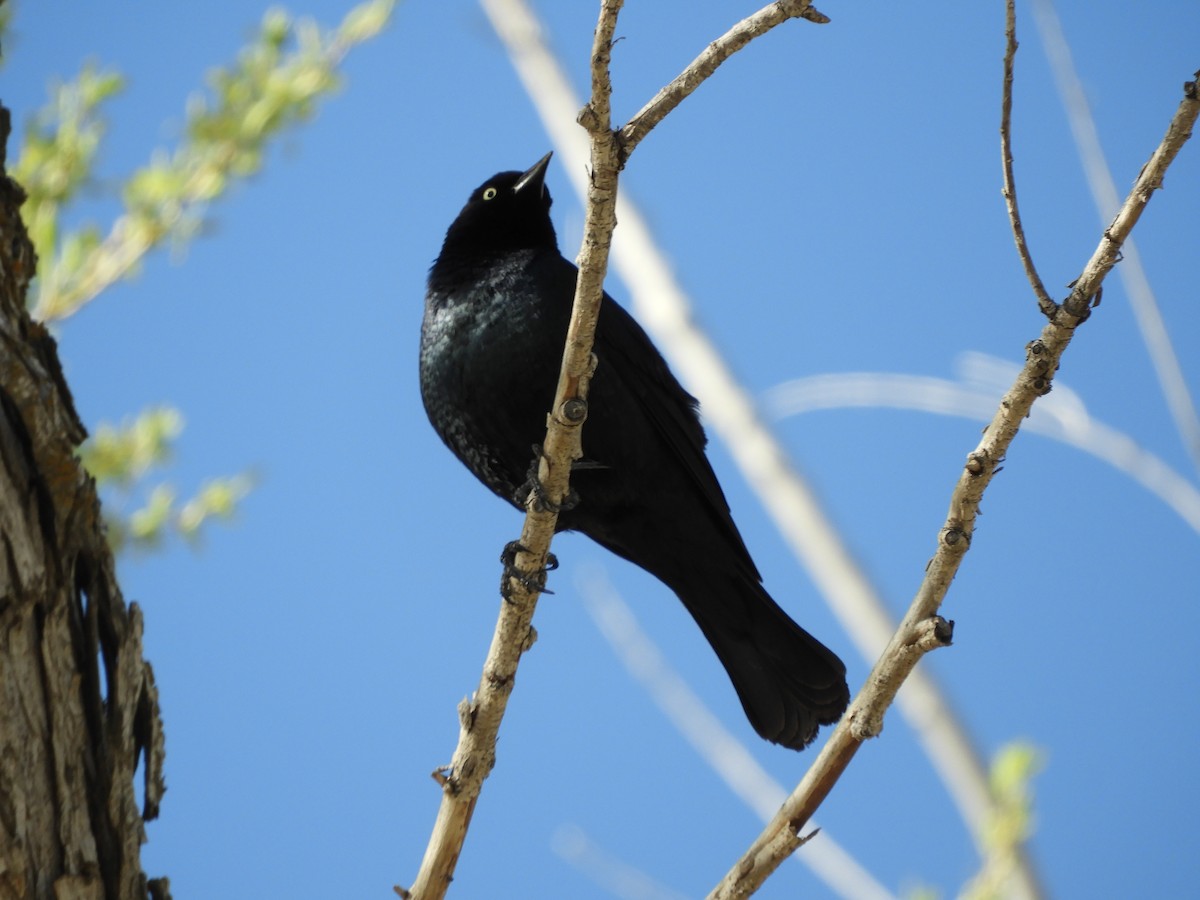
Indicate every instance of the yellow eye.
{"type": "Point", "coordinates": [489, 193]}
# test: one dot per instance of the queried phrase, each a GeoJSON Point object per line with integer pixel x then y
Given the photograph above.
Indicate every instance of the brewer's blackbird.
{"type": "Point", "coordinates": [496, 311]}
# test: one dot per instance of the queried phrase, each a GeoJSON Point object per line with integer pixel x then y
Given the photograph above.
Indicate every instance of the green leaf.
{"type": "Point", "coordinates": [365, 21]}
{"type": "Point", "coordinates": [147, 525]}
{"type": "Point", "coordinates": [58, 153]}
{"type": "Point", "coordinates": [1010, 822]}
{"type": "Point", "coordinates": [218, 498]}
{"type": "Point", "coordinates": [275, 83]}
{"type": "Point", "coordinates": [122, 454]}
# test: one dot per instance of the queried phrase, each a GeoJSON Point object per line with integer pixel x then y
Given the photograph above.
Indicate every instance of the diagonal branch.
{"type": "Point", "coordinates": [480, 717]}
{"type": "Point", "coordinates": [922, 629]}
{"type": "Point", "coordinates": [707, 62]}
{"type": "Point", "coordinates": [1156, 335]}
{"type": "Point", "coordinates": [1045, 304]}
{"type": "Point", "coordinates": [664, 309]}
{"type": "Point", "coordinates": [1149, 180]}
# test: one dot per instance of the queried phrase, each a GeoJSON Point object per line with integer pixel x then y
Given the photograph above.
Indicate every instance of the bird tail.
{"type": "Point", "coordinates": [788, 681]}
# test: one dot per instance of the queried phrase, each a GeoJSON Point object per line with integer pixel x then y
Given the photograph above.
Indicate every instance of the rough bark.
{"type": "Point", "coordinates": [78, 704]}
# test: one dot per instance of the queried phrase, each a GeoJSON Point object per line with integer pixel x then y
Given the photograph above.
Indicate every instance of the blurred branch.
{"type": "Point", "coordinates": [1045, 304]}
{"type": "Point", "coordinates": [921, 630]}
{"type": "Point", "coordinates": [56, 162]}
{"type": "Point", "coordinates": [1154, 331]}
{"type": "Point", "coordinates": [1010, 826]}
{"type": "Point", "coordinates": [269, 89]}
{"type": "Point", "coordinates": [1061, 416]}
{"type": "Point", "coordinates": [480, 717]}
{"type": "Point", "coordinates": [612, 875]}
{"type": "Point", "coordinates": [725, 754]}
{"type": "Point", "coordinates": [665, 311]}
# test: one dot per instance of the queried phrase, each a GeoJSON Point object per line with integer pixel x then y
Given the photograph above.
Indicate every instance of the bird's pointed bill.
{"type": "Point", "coordinates": [534, 176]}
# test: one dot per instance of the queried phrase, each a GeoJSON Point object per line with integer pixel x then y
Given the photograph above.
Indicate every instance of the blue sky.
{"type": "Point", "coordinates": [831, 199]}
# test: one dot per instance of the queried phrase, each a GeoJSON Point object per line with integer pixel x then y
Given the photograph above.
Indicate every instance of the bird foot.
{"type": "Point", "coordinates": [533, 484]}
{"type": "Point", "coordinates": [531, 581]}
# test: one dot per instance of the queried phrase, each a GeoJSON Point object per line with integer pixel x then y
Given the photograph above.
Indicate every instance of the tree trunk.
{"type": "Point", "coordinates": [78, 705]}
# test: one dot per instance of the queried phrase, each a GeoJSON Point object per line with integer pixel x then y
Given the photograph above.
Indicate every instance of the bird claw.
{"type": "Point", "coordinates": [531, 581]}
{"type": "Point", "coordinates": [533, 485]}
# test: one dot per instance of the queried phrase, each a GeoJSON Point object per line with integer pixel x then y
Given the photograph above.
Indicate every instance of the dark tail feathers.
{"type": "Point", "coordinates": [788, 681]}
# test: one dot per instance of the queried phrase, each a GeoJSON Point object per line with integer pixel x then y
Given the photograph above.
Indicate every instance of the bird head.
{"type": "Point", "coordinates": [509, 211]}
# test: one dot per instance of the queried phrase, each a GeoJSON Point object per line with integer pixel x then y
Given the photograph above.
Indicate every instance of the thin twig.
{"type": "Point", "coordinates": [1045, 304]}
{"type": "Point", "coordinates": [920, 631]}
{"type": "Point", "coordinates": [707, 62]}
{"type": "Point", "coordinates": [1155, 332]}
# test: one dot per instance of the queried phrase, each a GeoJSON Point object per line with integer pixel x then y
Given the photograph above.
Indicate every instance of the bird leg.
{"type": "Point", "coordinates": [533, 484]}
{"type": "Point", "coordinates": [531, 581]}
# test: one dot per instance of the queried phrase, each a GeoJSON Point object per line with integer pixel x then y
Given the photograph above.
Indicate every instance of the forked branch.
{"type": "Point", "coordinates": [1045, 304]}
{"type": "Point", "coordinates": [480, 717]}
{"type": "Point", "coordinates": [922, 628]}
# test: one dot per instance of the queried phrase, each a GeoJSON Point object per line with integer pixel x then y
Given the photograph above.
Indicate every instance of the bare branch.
{"type": "Point", "coordinates": [1149, 180]}
{"type": "Point", "coordinates": [480, 718]}
{"type": "Point", "coordinates": [665, 311]}
{"type": "Point", "coordinates": [1155, 333]}
{"type": "Point", "coordinates": [1045, 304]}
{"type": "Point", "coordinates": [707, 62]}
{"type": "Point", "coordinates": [922, 629]}
{"type": "Point", "coordinates": [475, 754]}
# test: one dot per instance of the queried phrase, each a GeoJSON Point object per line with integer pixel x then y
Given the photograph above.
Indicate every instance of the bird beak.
{"type": "Point", "coordinates": [535, 176]}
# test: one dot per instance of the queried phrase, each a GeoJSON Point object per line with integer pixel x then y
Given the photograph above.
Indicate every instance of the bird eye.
{"type": "Point", "coordinates": [489, 193]}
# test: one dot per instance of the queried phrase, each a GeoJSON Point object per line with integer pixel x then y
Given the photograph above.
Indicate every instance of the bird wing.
{"type": "Point", "coordinates": [631, 366]}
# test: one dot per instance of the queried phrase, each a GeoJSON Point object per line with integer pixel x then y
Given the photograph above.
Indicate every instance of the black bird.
{"type": "Point", "coordinates": [496, 311]}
